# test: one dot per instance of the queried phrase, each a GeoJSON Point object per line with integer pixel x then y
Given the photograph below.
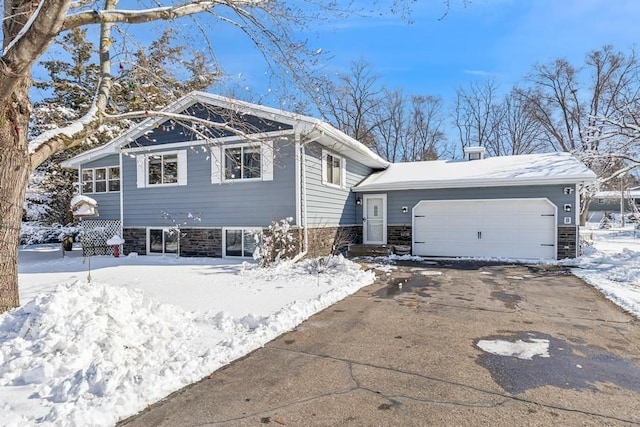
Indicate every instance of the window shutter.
{"type": "Point", "coordinates": [343, 172]}
{"type": "Point", "coordinates": [216, 164]}
{"type": "Point", "coordinates": [267, 160]}
{"type": "Point", "coordinates": [141, 168]}
{"type": "Point", "coordinates": [323, 166]}
{"type": "Point", "coordinates": [182, 167]}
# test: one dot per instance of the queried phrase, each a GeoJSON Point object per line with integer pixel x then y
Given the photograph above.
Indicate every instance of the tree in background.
{"type": "Point", "coordinates": [31, 26]}
{"type": "Point", "coordinates": [590, 110]}
{"type": "Point", "coordinates": [397, 126]}
{"type": "Point", "coordinates": [146, 76]}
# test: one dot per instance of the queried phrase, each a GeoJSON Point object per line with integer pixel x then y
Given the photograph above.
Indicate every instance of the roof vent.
{"type": "Point", "coordinates": [474, 153]}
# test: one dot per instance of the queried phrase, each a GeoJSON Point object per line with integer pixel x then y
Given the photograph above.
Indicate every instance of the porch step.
{"type": "Point", "coordinates": [368, 250]}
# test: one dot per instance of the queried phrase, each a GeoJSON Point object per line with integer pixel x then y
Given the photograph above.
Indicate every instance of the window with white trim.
{"type": "Point", "coordinates": [240, 242]}
{"type": "Point", "coordinates": [101, 180]}
{"type": "Point", "coordinates": [162, 241]}
{"type": "Point", "coordinates": [162, 169]}
{"type": "Point", "coordinates": [333, 169]}
{"type": "Point", "coordinates": [159, 169]}
{"type": "Point", "coordinates": [242, 162]}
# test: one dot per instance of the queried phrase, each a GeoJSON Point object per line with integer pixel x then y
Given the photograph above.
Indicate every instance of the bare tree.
{"type": "Point", "coordinates": [425, 139]}
{"type": "Point", "coordinates": [350, 104]}
{"type": "Point", "coordinates": [390, 121]}
{"type": "Point", "coordinates": [519, 131]}
{"type": "Point", "coordinates": [30, 27]}
{"type": "Point", "coordinates": [477, 114]}
{"type": "Point", "coordinates": [590, 110]}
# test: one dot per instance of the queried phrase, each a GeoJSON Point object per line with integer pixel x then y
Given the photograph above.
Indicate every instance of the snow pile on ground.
{"type": "Point", "coordinates": [611, 264]}
{"type": "Point", "coordinates": [94, 353]}
{"type": "Point", "coordinates": [525, 350]}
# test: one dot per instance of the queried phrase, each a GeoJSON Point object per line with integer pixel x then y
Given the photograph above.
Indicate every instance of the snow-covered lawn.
{"type": "Point", "coordinates": [78, 353]}
{"type": "Point", "coordinates": [612, 265]}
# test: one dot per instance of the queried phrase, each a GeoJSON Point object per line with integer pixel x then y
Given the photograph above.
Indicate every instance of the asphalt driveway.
{"type": "Point", "coordinates": [411, 350]}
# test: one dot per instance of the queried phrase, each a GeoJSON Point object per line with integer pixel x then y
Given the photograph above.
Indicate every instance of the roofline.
{"type": "Point", "coordinates": [465, 183]}
{"type": "Point", "coordinates": [300, 123]}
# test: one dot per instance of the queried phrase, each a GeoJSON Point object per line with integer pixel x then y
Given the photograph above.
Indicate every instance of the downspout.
{"type": "Point", "coordinates": [121, 198]}
{"type": "Point", "coordinates": [303, 196]}
{"type": "Point", "coordinates": [303, 200]}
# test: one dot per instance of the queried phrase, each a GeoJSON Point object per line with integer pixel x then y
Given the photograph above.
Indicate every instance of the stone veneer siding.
{"type": "Point", "coordinates": [135, 240]}
{"type": "Point", "coordinates": [201, 242]}
{"type": "Point", "coordinates": [207, 242]}
{"type": "Point", "coordinates": [567, 238]}
{"type": "Point", "coordinates": [323, 240]}
{"type": "Point", "coordinates": [567, 242]}
{"type": "Point", "coordinates": [399, 235]}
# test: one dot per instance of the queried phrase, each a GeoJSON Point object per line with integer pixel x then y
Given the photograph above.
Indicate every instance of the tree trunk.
{"type": "Point", "coordinates": [14, 172]}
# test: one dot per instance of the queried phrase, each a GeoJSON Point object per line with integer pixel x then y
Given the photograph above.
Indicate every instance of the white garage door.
{"type": "Point", "coordinates": [509, 228]}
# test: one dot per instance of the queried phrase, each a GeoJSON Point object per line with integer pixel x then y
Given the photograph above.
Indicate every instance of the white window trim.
{"type": "Point", "coordinates": [164, 229]}
{"type": "Point", "coordinates": [224, 162]}
{"type": "Point", "coordinates": [219, 159]}
{"type": "Point", "coordinates": [106, 180]}
{"type": "Point", "coordinates": [343, 170]}
{"type": "Point", "coordinates": [142, 167]}
{"type": "Point", "coordinates": [224, 240]}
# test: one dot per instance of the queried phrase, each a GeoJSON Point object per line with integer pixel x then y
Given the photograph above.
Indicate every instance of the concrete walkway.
{"type": "Point", "coordinates": [407, 351]}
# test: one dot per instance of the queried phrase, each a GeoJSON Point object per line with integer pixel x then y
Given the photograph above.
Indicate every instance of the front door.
{"type": "Point", "coordinates": [374, 219]}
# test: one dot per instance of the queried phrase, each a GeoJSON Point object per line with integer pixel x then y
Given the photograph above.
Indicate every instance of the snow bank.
{"type": "Point", "coordinates": [91, 354]}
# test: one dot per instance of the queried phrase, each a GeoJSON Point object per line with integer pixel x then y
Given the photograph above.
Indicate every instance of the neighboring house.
{"type": "Point", "coordinates": [612, 201]}
{"type": "Point", "coordinates": [219, 187]}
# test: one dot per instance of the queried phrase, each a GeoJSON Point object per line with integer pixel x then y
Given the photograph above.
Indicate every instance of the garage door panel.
{"type": "Point", "coordinates": [509, 228]}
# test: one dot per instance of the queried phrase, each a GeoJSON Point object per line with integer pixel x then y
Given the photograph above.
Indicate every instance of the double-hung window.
{"type": "Point", "coordinates": [101, 180]}
{"type": "Point", "coordinates": [333, 169]}
{"type": "Point", "coordinates": [243, 162]}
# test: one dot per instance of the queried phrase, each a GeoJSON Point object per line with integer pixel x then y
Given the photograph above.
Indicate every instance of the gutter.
{"type": "Point", "coordinates": [433, 185]}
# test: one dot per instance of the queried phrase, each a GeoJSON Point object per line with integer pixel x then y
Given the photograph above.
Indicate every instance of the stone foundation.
{"type": "Point", "coordinates": [201, 242]}
{"type": "Point", "coordinates": [399, 235]}
{"type": "Point", "coordinates": [567, 242]}
{"type": "Point", "coordinates": [135, 240]}
{"type": "Point", "coordinates": [323, 241]}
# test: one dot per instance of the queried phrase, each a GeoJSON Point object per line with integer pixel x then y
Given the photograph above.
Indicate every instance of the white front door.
{"type": "Point", "coordinates": [374, 219]}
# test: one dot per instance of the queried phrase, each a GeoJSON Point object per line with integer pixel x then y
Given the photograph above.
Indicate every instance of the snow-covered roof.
{"type": "Point", "coordinates": [529, 169]}
{"type": "Point", "coordinates": [612, 194]}
{"type": "Point", "coordinates": [310, 129]}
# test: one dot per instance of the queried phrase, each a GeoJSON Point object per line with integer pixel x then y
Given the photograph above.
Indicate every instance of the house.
{"type": "Point", "coordinates": [175, 186]}
{"type": "Point", "coordinates": [604, 202]}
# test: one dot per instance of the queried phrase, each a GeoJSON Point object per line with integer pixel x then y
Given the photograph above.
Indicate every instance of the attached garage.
{"type": "Point", "coordinates": [524, 207]}
{"type": "Point", "coordinates": [507, 228]}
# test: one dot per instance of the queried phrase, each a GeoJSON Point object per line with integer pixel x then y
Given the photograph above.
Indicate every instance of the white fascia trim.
{"type": "Point", "coordinates": [352, 144]}
{"type": "Point", "coordinates": [469, 183]}
{"type": "Point", "coordinates": [235, 139]}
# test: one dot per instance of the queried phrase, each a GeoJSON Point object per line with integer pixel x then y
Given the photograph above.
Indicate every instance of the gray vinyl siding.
{"type": "Point", "coordinates": [409, 198]}
{"type": "Point", "coordinates": [328, 205]}
{"type": "Point", "coordinates": [203, 204]}
{"type": "Point", "coordinates": [610, 205]}
{"type": "Point", "coordinates": [108, 203]}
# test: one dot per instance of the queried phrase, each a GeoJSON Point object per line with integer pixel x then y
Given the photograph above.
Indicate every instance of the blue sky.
{"type": "Point", "coordinates": [501, 39]}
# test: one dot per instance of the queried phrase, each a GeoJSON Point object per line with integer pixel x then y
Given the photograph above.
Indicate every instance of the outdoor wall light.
{"type": "Point", "coordinates": [358, 201]}
{"type": "Point", "coordinates": [567, 208]}
{"type": "Point", "coordinates": [405, 209]}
